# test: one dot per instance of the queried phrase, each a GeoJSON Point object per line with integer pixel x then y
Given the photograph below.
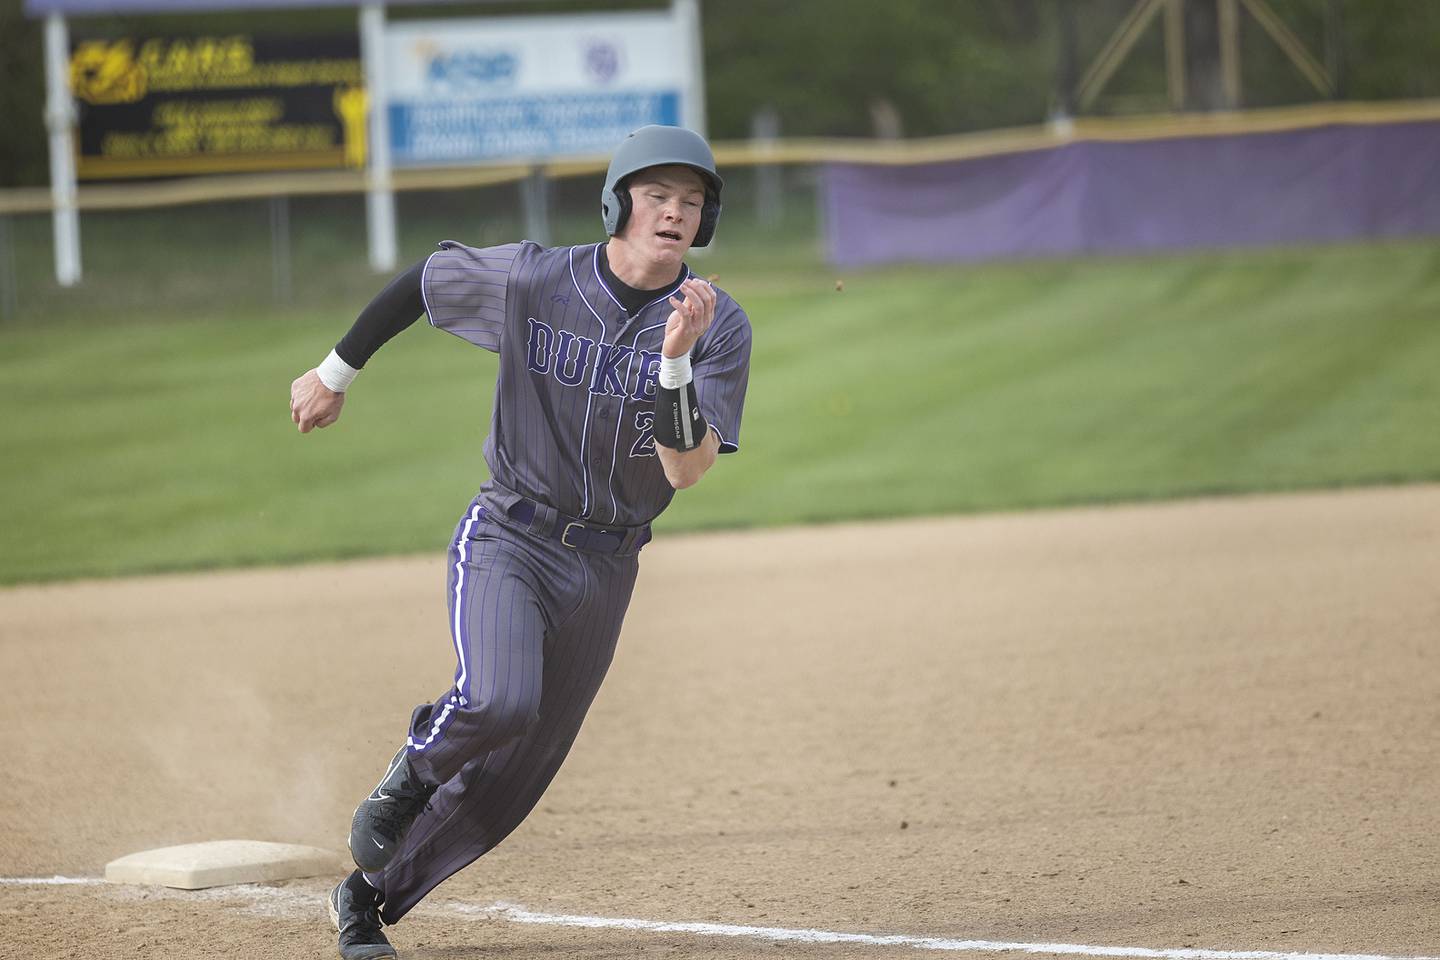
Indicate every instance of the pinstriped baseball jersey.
{"type": "Point", "coordinates": [575, 396]}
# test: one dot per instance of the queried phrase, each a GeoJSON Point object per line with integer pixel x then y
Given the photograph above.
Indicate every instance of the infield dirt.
{"type": "Point", "coordinates": [1210, 723]}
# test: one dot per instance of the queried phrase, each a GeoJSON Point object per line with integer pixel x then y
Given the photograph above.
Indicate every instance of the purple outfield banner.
{"type": "Point", "coordinates": [1323, 184]}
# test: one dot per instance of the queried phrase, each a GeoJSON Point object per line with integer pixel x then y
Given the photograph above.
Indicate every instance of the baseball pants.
{"type": "Point", "coordinates": [534, 625]}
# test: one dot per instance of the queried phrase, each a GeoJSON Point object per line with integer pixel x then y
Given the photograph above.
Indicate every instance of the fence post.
{"type": "Point", "coordinates": [59, 118]}
{"type": "Point", "coordinates": [687, 14]}
{"type": "Point", "coordinates": [535, 205]}
{"type": "Point", "coordinates": [769, 194]}
{"type": "Point", "coordinates": [9, 295]}
{"type": "Point", "coordinates": [1065, 60]}
{"type": "Point", "coordinates": [1335, 48]}
{"type": "Point", "coordinates": [379, 192]}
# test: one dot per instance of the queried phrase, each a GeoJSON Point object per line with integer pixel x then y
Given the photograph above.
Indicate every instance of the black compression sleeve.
{"type": "Point", "coordinates": [678, 423]}
{"type": "Point", "coordinates": [393, 309]}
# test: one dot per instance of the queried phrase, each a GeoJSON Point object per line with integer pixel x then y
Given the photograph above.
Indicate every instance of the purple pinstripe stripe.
{"type": "Point", "coordinates": [497, 592]}
{"type": "Point", "coordinates": [457, 631]}
{"type": "Point", "coordinates": [552, 468]}
{"type": "Point", "coordinates": [620, 423]}
{"type": "Point", "coordinates": [585, 508]}
{"type": "Point", "coordinates": [619, 429]}
{"type": "Point", "coordinates": [526, 280]}
{"type": "Point", "coordinates": [510, 684]}
{"type": "Point", "coordinates": [458, 636]}
{"type": "Point", "coordinates": [501, 687]}
{"type": "Point", "coordinates": [595, 258]}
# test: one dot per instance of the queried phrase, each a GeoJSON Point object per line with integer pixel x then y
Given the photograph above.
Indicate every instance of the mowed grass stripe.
{"type": "Point", "coordinates": [136, 444]}
{"type": "Point", "coordinates": [1097, 381]}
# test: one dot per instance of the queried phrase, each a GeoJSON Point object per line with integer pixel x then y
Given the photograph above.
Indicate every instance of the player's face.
{"type": "Point", "coordinates": [665, 205]}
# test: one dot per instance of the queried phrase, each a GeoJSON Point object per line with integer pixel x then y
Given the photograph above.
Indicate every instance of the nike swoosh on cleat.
{"type": "Point", "coordinates": [377, 843]}
{"type": "Point", "coordinates": [380, 796]}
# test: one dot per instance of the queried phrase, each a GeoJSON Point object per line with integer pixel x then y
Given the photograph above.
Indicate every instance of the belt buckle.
{"type": "Point", "coordinates": [565, 534]}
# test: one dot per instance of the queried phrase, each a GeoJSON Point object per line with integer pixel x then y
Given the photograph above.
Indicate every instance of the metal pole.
{"type": "Point", "coordinates": [687, 13]}
{"type": "Point", "coordinates": [9, 295]}
{"type": "Point", "coordinates": [379, 190]}
{"type": "Point", "coordinates": [1335, 47]}
{"type": "Point", "coordinates": [59, 119]}
{"type": "Point", "coordinates": [1116, 50]}
{"type": "Point", "coordinates": [1229, 30]}
{"type": "Point", "coordinates": [1065, 67]}
{"type": "Point", "coordinates": [1291, 45]}
{"type": "Point", "coordinates": [280, 269]}
{"type": "Point", "coordinates": [769, 195]}
{"type": "Point", "coordinates": [535, 199]}
{"type": "Point", "coordinates": [1175, 53]}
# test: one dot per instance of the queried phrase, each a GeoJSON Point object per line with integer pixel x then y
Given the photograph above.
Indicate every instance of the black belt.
{"type": "Point", "coordinates": [576, 534]}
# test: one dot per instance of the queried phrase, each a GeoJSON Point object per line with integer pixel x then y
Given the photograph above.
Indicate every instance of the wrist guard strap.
{"type": "Point", "coordinates": [678, 422]}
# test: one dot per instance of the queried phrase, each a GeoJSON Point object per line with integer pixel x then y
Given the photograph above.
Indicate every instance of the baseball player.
{"type": "Point", "coordinates": [622, 376]}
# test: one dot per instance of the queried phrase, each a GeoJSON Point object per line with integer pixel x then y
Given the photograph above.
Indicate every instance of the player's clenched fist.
{"type": "Point", "coordinates": [312, 404]}
{"type": "Point", "coordinates": [690, 318]}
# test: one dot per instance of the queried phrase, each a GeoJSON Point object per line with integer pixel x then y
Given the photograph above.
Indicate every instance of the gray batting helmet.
{"type": "Point", "coordinates": [655, 146]}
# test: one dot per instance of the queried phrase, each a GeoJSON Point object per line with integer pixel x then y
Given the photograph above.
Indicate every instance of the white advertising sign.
{"type": "Point", "coordinates": [528, 88]}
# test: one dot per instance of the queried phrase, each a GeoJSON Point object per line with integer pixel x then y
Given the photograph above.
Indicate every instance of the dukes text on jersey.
{"type": "Point", "coordinates": [604, 368]}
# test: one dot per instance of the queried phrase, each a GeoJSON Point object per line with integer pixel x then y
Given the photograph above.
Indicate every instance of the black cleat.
{"type": "Point", "coordinates": [383, 817]}
{"type": "Point", "coordinates": [355, 911]}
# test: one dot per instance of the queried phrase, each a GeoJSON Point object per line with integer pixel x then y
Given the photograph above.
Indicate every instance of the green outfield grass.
{"type": "Point", "coordinates": [138, 442]}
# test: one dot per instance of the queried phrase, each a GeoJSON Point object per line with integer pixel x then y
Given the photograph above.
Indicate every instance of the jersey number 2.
{"type": "Point", "coordinates": [645, 443]}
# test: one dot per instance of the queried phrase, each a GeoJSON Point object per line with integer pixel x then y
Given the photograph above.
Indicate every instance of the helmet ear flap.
{"type": "Point", "coordinates": [619, 200]}
{"type": "Point", "coordinates": [709, 216]}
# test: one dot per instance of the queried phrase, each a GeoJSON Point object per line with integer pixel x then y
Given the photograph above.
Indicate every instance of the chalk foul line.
{"type": "Point", "coordinates": [517, 914]}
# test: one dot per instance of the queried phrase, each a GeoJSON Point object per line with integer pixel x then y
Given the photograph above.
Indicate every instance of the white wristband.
{"type": "Point", "coordinates": [675, 372]}
{"type": "Point", "coordinates": [335, 373]}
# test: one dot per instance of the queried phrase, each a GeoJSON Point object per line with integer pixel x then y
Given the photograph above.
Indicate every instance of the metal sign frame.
{"type": "Point", "coordinates": [380, 199]}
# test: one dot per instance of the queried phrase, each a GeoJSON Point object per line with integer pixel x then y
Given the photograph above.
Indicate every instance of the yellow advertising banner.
{"type": "Point", "coordinates": [167, 106]}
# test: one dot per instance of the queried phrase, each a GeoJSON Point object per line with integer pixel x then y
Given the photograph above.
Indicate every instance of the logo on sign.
{"type": "Point", "coordinates": [464, 70]}
{"type": "Point", "coordinates": [602, 60]}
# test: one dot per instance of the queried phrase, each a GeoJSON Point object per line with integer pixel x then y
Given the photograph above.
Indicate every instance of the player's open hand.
{"type": "Point", "coordinates": [312, 404]}
{"type": "Point", "coordinates": [690, 318]}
